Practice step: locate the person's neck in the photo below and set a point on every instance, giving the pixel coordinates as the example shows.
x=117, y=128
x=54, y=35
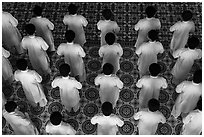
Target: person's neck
x=70, y=42
x=195, y=83
x=153, y=76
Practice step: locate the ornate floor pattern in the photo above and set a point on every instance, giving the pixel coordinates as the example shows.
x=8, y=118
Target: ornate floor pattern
x=126, y=15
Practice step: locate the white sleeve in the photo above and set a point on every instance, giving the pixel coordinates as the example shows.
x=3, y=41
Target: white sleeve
x=5, y=53
x=55, y=83
x=164, y=83
x=119, y=122
x=174, y=27
x=199, y=52
x=94, y=120
x=60, y=50
x=160, y=48
x=116, y=28
x=97, y=80
x=137, y=115
x=43, y=44
x=65, y=20
x=37, y=76
x=84, y=21
x=139, y=50
x=120, y=50
x=180, y=87
x=119, y=83
x=140, y=83
x=163, y=119
x=13, y=20
x=137, y=26
x=81, y=52
x=50, y=25
x=77, y=84
x=16, y=75
x=101, y=51
x=99, y=25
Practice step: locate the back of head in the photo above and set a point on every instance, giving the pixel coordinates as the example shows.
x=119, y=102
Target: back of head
x=187, y=15
x=193, y=42
x=64, y=70
x=153, y=35
x=37, y=10
x=30, y=29
x=153, y=105
x=70, y=35
x=199, y=105
x=107, y=108
x=10, y=106
x=56, y=118
x=110, y=38
x=21, y=64
x=72, y=9
x=150, y=11
x=107, y=14
x=154, y=69
x=197, y=77
x=108, y=69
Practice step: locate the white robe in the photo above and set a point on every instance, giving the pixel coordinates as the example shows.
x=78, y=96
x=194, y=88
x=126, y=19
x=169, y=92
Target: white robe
x=11, y=36
x=44, y=29
x=38, y=57
x=68, y=91
x=144, y=26
x=181, y=33
x=106, y=26
x=147, y=53
x=192, y=123
x=150, y=88
x=73, y=54
x=148, y=121
x=110, y=86
x=111, y=54
x=33, y=90
x=187, y=99
x=62, y=129
x=107, y=125
x=76, y=23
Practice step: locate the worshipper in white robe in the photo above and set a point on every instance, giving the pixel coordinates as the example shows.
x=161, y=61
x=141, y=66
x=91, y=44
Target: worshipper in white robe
x=43, y=28
x=181, y=31
x=112, y=52
x=68, y=86
x=192, y=123
x=57, y=127
x=11, y=36
x=107, y=25
x=76, y=23
x=151, y=85
x=145, y=25
x=20, y=123
x=36, y=47
x=73, y=54
x=190, y=92
x=149, y=118
x=147, y=53
x=107, y=123
x=110, y=85
x=7, y=70
x=30, y=81
x=185, y=61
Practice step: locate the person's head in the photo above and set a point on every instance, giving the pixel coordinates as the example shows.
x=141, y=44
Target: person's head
x=70, y=35
x=107, y=108
x=37, y=10
x=153, y=35
x=72, y=9
x=30, y=29
x=153, y=105
x=187, y=15
x=154, y=69
x=64, y=70
x=193, y=42
x=199, y=105
x=56, y=118
x=21, y=64
x=108, y=69
x=107, y=14
x=110, y=38
x=150, y=11
x=197, y=77
x=10, y=106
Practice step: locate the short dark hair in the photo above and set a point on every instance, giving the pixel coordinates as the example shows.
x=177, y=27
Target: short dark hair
x=72, y=8
x=21, y=64
x=150, y=11
x=30, y=29
x=108, y=68
x=153, y=35
x=56, y=118
x=197, y=77
x=70, y=35
x=110, y=38
x=107, y=14
x=64, y=70
x=199, y=105
x=10, y=106
x=154, y=69
x=37, y=10
x=107, y=108
x=187, y=15
x=193, y=42
x=153, y=105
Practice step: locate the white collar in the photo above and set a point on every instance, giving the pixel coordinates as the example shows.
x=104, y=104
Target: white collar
x=70, y=42
x=39, y=17
x=107, y=20
x=57, y=125
x=153, y=76
x=195, y=83
x=31, y=36
x=149, y=18
x=152, y=41
x=74, y=15
x=24, y=70
x=185, y=21
x=66, y=77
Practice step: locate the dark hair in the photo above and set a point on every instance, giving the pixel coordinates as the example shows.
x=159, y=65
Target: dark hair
x=108, y=68
x=107, y=108
x=199, y=104
x=30, y=29
x=70, y=35
x=107, y=14
x=153, y=35
x=64, y=70
x=154, y=69
x=187, y=15
x=72, y=9
x=110, y=38
x=153, y=105
x=10, y=106
x=193, y=42
x=197, y=77
x=56, y=118
x=150, y=11
x=37, y=10
x=21, y=64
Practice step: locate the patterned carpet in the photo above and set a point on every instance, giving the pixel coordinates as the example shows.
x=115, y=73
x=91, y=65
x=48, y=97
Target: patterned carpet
x=126, y=15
